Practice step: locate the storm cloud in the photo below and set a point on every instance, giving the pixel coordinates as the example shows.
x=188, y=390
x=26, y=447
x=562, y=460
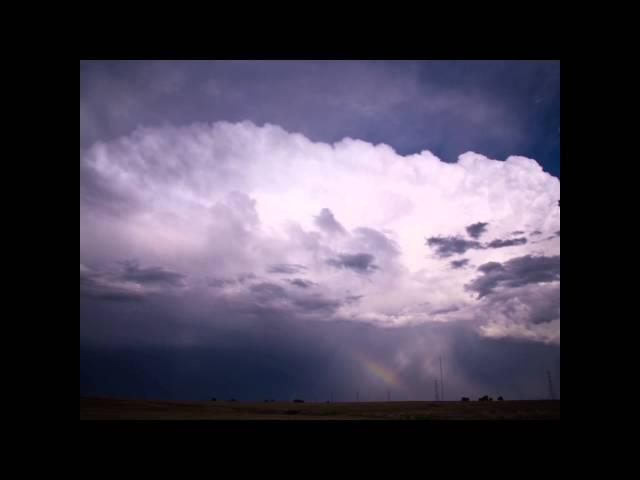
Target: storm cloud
x=253, y=230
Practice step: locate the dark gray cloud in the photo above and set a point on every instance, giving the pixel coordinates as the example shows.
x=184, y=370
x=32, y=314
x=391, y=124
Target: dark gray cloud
x=150, y=275
x=518, y=232
x=477, y=229
x=287, y=268
x=317, y=304
x=445, y=310
x=128, y=282
x=220, y=282
x=328, y=223
x=353, y=298
x=300, y=282
x=98, y=286
x=536, y=232
x=456, y=245
x=455, y=264
x=358, y=262
x=558, y=233
x=244, y=277
x=515, y=273
x=506, y=243
x=448, y=246
x=268, y=291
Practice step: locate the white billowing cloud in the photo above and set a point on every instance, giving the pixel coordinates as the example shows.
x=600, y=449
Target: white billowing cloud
x=224, y=200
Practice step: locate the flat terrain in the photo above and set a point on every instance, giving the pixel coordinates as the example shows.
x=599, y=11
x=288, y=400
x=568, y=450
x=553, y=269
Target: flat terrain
x=123, y=409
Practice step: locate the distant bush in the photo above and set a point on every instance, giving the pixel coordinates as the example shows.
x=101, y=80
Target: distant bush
x=464, y=399
x=297, y=400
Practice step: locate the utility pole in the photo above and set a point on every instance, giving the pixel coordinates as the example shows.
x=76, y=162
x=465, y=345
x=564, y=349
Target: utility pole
x=552, y=395
x=437, y=392
x=357, y=396
x=441, y=380
x=388, y=396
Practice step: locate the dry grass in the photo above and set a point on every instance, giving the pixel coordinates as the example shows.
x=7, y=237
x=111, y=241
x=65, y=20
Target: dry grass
x=123, y=409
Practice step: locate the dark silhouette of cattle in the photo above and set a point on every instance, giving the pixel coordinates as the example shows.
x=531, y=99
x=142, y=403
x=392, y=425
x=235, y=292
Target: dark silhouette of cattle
x=297, y=400
x=464, y=399
x=486, y=398
x=500, y=399
x=213, y=399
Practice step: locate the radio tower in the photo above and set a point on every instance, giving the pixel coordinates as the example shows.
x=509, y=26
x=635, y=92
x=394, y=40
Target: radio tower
x=552, y=395
x=441, y=381
x=437, y=393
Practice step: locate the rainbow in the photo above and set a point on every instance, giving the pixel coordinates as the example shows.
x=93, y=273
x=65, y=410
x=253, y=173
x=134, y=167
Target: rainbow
x=381, y=372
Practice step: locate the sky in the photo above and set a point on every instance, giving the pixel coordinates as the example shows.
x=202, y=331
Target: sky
x=319, y=229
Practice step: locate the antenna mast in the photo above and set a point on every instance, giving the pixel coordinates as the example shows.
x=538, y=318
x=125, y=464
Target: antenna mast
x=441, y=381
x=552, y=395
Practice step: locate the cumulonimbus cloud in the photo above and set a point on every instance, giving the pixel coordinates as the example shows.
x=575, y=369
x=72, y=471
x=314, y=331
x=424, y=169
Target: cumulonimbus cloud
x=216, y=202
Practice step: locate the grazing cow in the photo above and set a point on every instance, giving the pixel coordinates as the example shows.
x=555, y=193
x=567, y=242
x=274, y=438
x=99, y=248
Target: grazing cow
x=500, y=399
x=465, y=399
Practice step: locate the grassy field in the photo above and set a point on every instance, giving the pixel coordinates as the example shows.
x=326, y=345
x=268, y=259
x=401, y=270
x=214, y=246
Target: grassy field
x=123, y=409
